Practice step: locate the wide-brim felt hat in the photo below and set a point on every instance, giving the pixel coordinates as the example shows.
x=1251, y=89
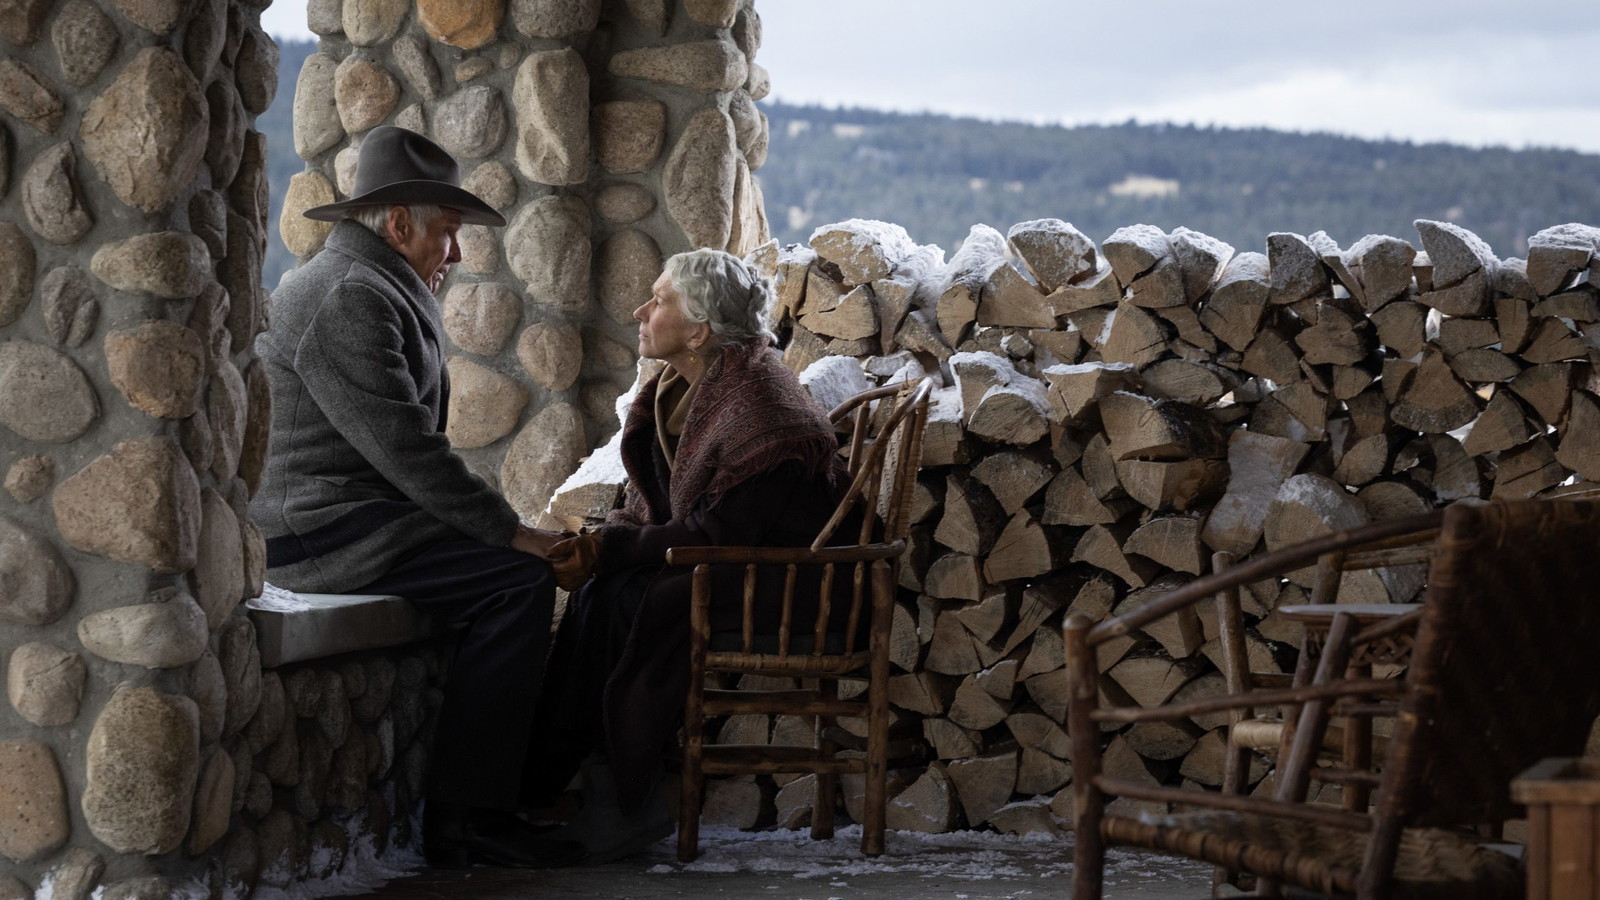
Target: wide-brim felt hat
x=398, y=167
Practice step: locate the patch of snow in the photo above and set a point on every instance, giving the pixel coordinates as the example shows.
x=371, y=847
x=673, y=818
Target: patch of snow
x=983, y=251
x=891, y=240
x=276, y=599
x=832, y=380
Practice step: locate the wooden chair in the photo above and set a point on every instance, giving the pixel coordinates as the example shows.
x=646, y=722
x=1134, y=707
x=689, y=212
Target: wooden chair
x=1503, y=673
x=884, y=449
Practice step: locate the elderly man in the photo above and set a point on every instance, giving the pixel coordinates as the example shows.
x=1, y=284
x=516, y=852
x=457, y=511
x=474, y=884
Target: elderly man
x=362, y=493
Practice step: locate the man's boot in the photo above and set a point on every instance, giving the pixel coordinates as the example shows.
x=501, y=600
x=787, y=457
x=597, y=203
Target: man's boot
x=603, y=828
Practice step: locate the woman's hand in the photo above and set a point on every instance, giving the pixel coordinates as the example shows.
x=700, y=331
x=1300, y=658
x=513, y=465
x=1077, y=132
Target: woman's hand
x=574, y=560
x=536, y=541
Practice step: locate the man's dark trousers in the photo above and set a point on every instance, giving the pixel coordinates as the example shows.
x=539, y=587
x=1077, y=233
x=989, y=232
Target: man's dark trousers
x=503, y=601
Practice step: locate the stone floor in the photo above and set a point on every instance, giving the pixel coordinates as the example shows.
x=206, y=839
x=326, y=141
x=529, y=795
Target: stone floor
x=787, y=865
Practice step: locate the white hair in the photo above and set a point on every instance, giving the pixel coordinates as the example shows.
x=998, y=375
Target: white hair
x=376, y=216
x=723, y=291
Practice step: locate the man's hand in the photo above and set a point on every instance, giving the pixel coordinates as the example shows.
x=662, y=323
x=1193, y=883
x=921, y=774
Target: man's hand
x=574, y=559
x=536, y=541
x=436, y=280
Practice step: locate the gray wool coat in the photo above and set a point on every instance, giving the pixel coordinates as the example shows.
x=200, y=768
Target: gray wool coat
x=359, y=473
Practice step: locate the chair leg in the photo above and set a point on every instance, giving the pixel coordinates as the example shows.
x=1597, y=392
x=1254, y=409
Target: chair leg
x=827, y=782
x=1089, y=849
x=873, y=816
x=691, y=789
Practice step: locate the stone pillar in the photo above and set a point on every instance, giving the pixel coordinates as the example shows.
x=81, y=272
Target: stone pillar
x=132, y=417
x=610, y=135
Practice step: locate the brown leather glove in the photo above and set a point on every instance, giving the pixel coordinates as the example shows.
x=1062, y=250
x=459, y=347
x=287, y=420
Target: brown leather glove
x=574, y=559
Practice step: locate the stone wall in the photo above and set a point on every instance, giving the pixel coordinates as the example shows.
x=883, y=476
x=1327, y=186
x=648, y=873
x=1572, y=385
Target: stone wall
x=610, y=135
x=132, y=214
x=1109, y=415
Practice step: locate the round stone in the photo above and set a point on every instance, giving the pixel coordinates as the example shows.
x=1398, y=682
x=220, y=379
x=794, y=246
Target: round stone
x=480, y=249
x=316, y=110
x=33, y=801
x=209, y=692
x=551, y=96
x=159, y=16
x=240, y=276
x=303, y=236
x=413, y=118
x=45, y=684
x=749, y=212
x=416, y=66
x=20, y=20
x=264, y=727
x=255, y=558
x=716, y=13
x=140, y=503
x=5, y=160
x=548, y=247
x=629, y=134
x=630, y=263
x=225, y=145
x=213, y=803
x=70, y=307
x=492, y=183
x=166, y=632
x=205, y=37
x=281, y=853
x=624, y=204
x=208, y=319
x=208, y=219
x=50, y=197
x=471, y=123
x=608, y=354
x=146, y=133
x=76, y=875
x=218, y=575
x=545, y=452
x=324, y=17
x=30, y=477
x=749, y=128
x=479, y=318
x=17, y=269
x=709, y=66
x=172, y=265
x=227, y=407
x=344, y=170
x=44, y=396
x=468, y=24
x=543, y=19
x=600, y=404
x=85, y=40
x=26, y=94
x=36, y=585
x=370, y=22
x=747, y=31
x=141, y=766
x=157, y=365
x=484, y=404
x=475, y=67
x=144, y=887
x=194, y=435
x=255, y=70
x=241, y=670
x=700, y=178
x=365, y=94
x=258, y=419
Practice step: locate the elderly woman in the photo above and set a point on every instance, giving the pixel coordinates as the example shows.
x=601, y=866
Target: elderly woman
x=722, y=447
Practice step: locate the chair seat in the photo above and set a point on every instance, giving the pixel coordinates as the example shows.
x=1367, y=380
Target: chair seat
x=799, y=645
x=1433, y=864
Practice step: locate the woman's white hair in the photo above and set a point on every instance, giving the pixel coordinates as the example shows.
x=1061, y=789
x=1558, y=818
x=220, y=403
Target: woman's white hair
x=376, y=216
x=722, y=291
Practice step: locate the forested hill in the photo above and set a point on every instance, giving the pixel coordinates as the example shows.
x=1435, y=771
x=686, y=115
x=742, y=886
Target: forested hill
x=938, y=176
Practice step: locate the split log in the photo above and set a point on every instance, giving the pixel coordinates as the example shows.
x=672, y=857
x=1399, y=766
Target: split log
x=1075, y=391
x=1204, y=763
x=1037, y=731
x=1047, y=653
x=1179, y=633
x=1202, y=258
x=794, y=802
x=914, y=565
x=1501, y=426
x=796, y=731
x=1368, y=413
x=1432, y=399
x=999, y=680
x=1071, y=501
x=1258, y=465
x=951, y=651
x=927, y=497
x=956, y=311
x=1172, y=542
x=919, y=331
x=984, y=784
x=927, y=806
x=1297, y=271
x=1455, y=474
x=1296, y=410
x=972, y=518
x=1350, y=381
x=1307, y=506
x=1514, y=321
x=954, y=576
x=1272, y=355
x=1121, y=761
x=926, y=693
x=1152, y=680
x=1134, y=250
x=1009, y=299
x=1040, y=601
x=1524, y=471
x=987, y=618
x=1051, y=348
x=737, y=802
x=1101, y=546
x=1234, y=310
x=853, y=317
x=1013, y=478
x=893, y=298
x=1259, y=655
x=1024, y=549
x=1556, y=254
x=1141, y=427
x=1580, y=437
x=1484, y=366
x=905, y=648
x=1200, y=384
x=1100, y=288
x=1133, y=336
x=1383, y=264
x=1366, y=459
x=949, y=740
x=1211, y=684
x=860, y=250
x=1472, y=296
x=853, y=789
x=1016, y=414
x=1053, y=252
x=1579, y=306
x=745, y=730
x=1338, y=265
x=1456, y=334
x=1094, y=324
x=944, y=440
x=804, y=349
x=1173, y=486
x=1454, y=251
x=1162, y=741
x=1552, y=341
x=1048, y=691
x=1341, y=336
x=822, y=292
x=976, y=708
x=1160, y=287
x=1039, y=773
x=1402, y=327
x=1548, y=389
x=790, y=287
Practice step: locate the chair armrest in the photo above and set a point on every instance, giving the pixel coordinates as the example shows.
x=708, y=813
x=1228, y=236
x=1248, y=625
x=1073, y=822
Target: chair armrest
x=1366, y=687
x=694, y=556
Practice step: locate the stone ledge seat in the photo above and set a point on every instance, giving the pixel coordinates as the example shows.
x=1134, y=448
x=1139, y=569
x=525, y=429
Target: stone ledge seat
x=292, y=627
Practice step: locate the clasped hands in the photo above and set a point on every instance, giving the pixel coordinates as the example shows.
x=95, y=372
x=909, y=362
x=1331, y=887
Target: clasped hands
x=571, y=556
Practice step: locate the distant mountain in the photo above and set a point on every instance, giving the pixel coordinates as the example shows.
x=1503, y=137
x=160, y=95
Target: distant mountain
x=938, y=176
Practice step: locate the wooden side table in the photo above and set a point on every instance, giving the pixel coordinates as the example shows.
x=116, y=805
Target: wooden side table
x=1563, y=852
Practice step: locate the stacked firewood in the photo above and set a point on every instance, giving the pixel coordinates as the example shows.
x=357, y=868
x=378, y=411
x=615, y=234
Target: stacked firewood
x=1112, y=415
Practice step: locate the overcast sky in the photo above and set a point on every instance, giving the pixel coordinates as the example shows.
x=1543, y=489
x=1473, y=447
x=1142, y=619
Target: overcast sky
x=1468, y=71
